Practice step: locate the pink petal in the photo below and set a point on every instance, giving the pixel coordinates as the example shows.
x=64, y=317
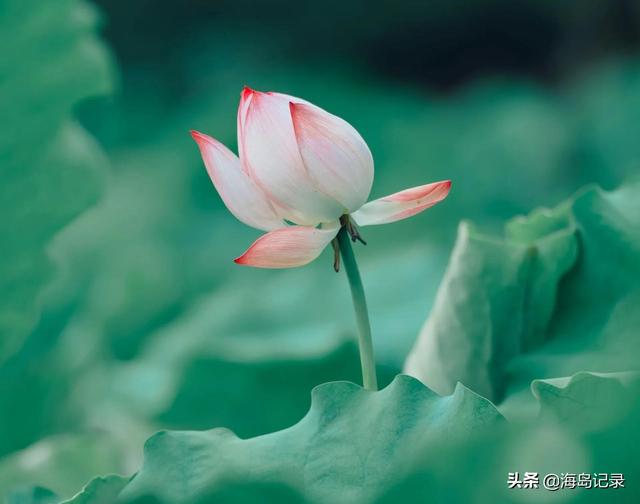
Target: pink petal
x=270, y=155
x=402, y=204
x=288, y=247
x=335, y=155
x=240, y=194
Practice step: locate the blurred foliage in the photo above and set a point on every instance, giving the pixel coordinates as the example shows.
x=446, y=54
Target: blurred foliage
x=51, y=59
x=147, y=324
x=60, y=462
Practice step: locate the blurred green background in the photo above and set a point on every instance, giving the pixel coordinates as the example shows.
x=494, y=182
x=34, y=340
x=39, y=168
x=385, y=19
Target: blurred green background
x=122, y=312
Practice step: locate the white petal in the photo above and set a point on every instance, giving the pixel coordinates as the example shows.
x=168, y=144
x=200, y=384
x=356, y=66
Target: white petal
x=240, y=194
x=288, y=247
x=402, y=204
x=335, y=155
x=271, y=157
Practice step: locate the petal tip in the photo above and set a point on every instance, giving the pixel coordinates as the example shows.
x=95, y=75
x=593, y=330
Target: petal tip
x=199, y=137
x=246, y=92
x=241, y=260
x=205, y=141
x=296, y=111
x=298, y=108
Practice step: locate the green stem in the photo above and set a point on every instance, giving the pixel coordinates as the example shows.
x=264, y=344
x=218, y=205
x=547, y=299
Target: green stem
x=365, y=343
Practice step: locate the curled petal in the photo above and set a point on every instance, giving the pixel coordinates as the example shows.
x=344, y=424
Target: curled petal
x=288, y=247
x=270, y=155
x=336, y=157
x=240, y=194
x=402, y=204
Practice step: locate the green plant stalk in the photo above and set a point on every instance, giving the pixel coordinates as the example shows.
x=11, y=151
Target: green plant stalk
x=367, y=360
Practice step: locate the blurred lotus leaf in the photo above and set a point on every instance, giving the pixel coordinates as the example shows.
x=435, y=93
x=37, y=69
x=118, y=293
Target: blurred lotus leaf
x=50, y=166
x=592, y=399
x=561, y=283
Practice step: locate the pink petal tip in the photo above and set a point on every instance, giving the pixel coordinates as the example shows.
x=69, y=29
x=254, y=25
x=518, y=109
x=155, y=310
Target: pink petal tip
x=199, y=137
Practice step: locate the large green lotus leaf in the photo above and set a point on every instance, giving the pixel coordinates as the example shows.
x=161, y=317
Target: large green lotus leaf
x=50, y=60
x=348, y=448
x=550, y=299
x=61, y=463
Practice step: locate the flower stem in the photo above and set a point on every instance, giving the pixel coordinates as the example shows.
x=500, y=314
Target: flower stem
x=367, y=360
